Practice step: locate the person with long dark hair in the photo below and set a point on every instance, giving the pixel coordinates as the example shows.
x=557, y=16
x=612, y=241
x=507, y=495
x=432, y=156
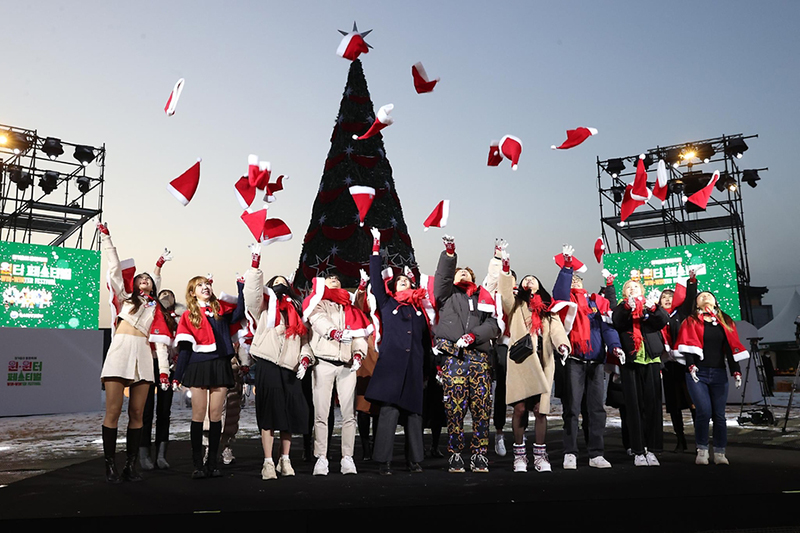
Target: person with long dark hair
x=129, y=361
x=708, y=339
x=280, y=346
x=396, y=382
x=529, y=381
x=639, y=321
x=204, y=365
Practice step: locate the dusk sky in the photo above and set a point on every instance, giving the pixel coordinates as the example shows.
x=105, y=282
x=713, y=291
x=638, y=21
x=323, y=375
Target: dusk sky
x=263, y=77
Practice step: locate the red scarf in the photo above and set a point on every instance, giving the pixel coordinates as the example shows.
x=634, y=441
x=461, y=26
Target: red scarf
x=467, y=286
x=581, y=335
x=295, y=323
x=412, y=297
x=637, y=313
x=690, y=339
x=536, y=307
x=354, y=318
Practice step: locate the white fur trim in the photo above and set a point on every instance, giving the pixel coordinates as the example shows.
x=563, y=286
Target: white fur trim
x=199, y=348
x=252, y=160
x=279, y=238
x=361, y=189
x=162, y=339
x=383, y=114
x=272, y=307
x=694, y=350
x=445, y=213
x=593, y=131
x=174, y=96
x=741, y=356
x=178, y=195
x=572, y=311
x=316, y=297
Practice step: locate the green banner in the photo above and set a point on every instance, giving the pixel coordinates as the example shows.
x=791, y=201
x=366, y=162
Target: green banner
x=661, y=268
x=49, y=287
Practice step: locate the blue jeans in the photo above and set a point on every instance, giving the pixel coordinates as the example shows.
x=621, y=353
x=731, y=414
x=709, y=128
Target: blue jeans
x=709, y=396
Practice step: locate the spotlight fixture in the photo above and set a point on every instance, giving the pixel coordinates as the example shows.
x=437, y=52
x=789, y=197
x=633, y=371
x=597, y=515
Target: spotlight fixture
x=705, y=152
x=676, y=186
x=18, y=142
x=614, y=167
x=728, y=182
x=22, y=179
x=84, y=184
x=751, y=177
x=688, y=153
x=49, y=181
x=84, y=154
x=673, y=157
x=52, y=147
x=4, y=138
x=736, y=147
x=618, y=191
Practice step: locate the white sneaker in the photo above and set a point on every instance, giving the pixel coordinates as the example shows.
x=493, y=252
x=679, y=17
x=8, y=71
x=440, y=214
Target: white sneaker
x=702, y=457
x=640, y=460
x=321, y=466
x=348, y=466
x=720, y=459
x=571, y=461
x=268, y=470
x=599, y=462
x=520, y=463
x=500, y=445
x=285, y=467
x=541, y=463
x=227, y=456
x=651, y=459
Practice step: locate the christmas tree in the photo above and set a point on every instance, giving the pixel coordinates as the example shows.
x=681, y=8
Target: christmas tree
x=334, y=240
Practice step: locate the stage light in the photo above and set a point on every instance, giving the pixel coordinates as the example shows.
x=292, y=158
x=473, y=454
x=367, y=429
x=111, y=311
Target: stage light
x=614, y=167
x=84, y=184
x=49, y=181
x=751, y=177
x=618, y=191
x=22, y=179
x=728, y=182
x=3, y=138
x=687, y=154
x=676, y=186
x=736, y=147
x=705, y=152
x=84, y=154
x=18, y=142
x=52, y=147
x=673, y=157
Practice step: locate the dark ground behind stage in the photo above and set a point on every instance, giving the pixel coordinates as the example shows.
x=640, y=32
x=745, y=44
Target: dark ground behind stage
x=760, y=490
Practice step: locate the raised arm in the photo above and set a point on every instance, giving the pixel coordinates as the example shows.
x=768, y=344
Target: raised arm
x=495, y=264
x=376, y=281
x=445, y=270
x=116, y=282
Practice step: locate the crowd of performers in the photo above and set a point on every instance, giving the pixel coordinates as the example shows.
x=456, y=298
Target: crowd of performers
x=417, y=350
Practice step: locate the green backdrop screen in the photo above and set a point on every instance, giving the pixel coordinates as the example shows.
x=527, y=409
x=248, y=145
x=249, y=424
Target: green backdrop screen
x=49, y=286
x=661, y=268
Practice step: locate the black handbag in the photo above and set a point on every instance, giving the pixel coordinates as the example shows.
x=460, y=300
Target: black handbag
x=521, y=349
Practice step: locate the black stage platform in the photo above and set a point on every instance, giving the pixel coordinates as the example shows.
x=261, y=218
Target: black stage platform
x=759, y=490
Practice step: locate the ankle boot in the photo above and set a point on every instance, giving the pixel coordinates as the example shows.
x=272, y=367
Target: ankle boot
x=130, y=472
x=109, y=449
x=144, y=458
x=161, y=459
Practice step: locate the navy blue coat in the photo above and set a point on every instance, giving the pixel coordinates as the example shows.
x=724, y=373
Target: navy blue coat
x=405, y=345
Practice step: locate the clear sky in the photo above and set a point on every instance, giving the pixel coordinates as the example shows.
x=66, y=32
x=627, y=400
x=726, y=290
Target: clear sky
x=262, y=77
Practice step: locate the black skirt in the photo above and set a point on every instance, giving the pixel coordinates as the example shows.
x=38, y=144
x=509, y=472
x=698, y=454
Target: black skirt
x=280, y=403
x=209, y=374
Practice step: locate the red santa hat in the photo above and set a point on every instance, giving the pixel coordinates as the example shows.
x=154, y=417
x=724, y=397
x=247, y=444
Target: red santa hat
x=353, y=44
x=577, y=265
x=184, y=186
x=495, y=157
x=363, y=197
x=439, y=215
x=274, y=187
x=575, y=137
x=258, y=172
x=679, y=294
x=701, y=197
x=245, y=193
x=255, y=222
x=511, y=148
x=629, y=204
x=159, y=331
x=662, y=181
x=381, y=121
x=599, y=249
x=275, y=230
x=172, y=102
x=640, y=192
x=422, y=84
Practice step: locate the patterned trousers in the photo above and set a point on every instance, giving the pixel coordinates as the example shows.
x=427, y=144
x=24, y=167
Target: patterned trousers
x=467, y=383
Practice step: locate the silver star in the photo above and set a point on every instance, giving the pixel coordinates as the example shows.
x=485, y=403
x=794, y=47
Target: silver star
x=349, y=150
x=348, y=180
x=322, y=219
x=340, y=118
x=393, y=222
x=334, y=250
x=358, y=217
x=355, y=30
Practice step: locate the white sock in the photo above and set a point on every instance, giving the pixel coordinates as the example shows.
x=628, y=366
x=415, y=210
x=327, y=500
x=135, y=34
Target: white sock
x=268, y=460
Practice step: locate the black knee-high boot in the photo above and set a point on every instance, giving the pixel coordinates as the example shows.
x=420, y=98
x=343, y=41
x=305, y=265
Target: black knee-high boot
x=196, y=436
x=109, y=450
x=133, y=438
x=214, y=435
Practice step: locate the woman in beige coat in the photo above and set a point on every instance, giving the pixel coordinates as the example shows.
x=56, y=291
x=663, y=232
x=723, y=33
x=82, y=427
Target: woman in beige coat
x=529, y=383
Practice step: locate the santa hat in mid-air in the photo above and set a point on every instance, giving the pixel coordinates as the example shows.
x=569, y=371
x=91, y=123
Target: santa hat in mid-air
x=599, y=249
x=577, y=265
x=172, y=102
x=639, y=191
x=258, y=172
x=255, y=222
x=438, y=217
x=363, y=197
x=511, y=148
x=629, y=204
x=273, y=187
x=495, y=157
x=275, y=230
x=381, y=121
x=701, y=197
x=661, y=189
x=184, y=186
x=575, y=137
x=245, y=193
x=422, y=84
x=353, y=44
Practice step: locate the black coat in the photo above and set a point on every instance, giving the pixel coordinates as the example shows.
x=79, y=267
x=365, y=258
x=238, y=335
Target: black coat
x=651, y=325
x=405, y=345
